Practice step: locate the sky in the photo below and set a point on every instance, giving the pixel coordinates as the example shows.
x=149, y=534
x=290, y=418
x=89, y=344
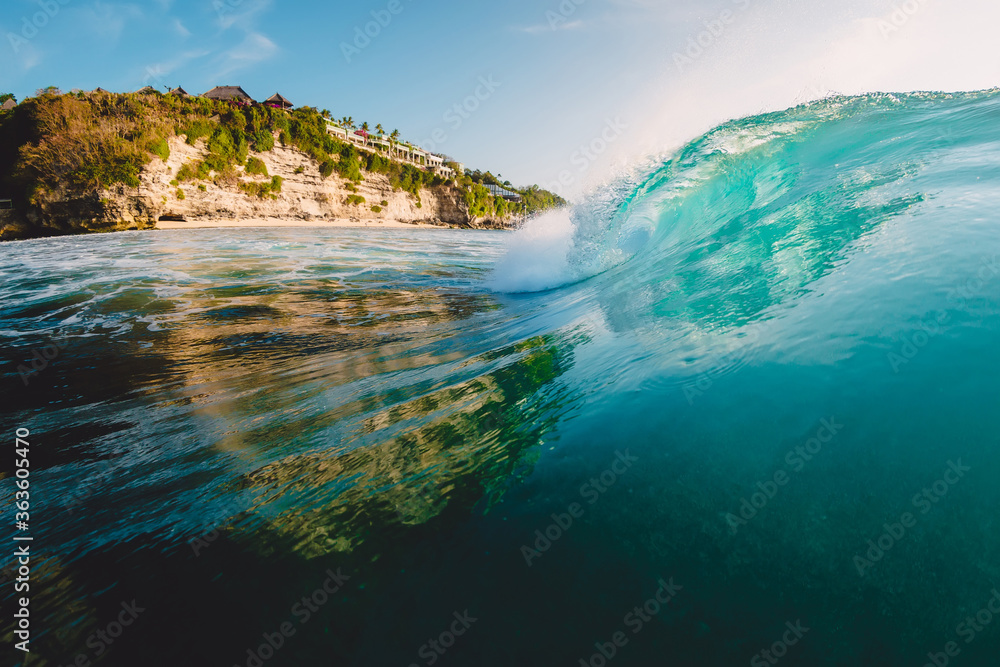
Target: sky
x=563, y=93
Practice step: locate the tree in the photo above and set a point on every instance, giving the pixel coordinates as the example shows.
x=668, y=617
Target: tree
x=7, y=96
x=50, y=90
x=380, y=129
x=364, y=126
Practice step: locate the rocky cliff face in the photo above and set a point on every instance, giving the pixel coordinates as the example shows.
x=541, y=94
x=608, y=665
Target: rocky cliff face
x=304, y=195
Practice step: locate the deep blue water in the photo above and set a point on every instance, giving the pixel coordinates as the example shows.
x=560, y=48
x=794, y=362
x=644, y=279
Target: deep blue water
x=757, y=379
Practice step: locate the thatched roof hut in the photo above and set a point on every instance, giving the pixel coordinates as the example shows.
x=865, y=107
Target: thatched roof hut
x=279, y=100
x=147, y=90
x=180, y=92
x=8, y=105
x=229, y=94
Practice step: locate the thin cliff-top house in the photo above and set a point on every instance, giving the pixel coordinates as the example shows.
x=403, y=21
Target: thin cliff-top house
x=8, y=105
x=278, y=101
x=499, y=191
x=233, y=94
x=179, y=92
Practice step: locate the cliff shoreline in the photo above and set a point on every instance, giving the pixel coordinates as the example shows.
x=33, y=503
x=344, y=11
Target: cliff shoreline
x=101, y=162
x=305, y=199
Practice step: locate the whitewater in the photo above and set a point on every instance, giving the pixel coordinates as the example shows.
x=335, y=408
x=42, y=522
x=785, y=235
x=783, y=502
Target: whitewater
x=737, y=406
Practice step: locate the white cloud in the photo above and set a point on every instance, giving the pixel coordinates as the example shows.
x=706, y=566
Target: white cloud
x=181, y=29
x=552, y=27
x=156, y=73
x=239, y=13
x=105, y=20
x=255, y=48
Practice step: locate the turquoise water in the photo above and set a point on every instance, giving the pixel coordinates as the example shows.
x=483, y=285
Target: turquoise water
x=757, y=380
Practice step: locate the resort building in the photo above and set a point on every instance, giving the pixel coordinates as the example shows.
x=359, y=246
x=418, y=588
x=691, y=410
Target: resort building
x=233, y=94
x=336, y=130
x=381, y=142
x=179, y=92
x=8, y=105
x=503, y=193
x=278, y=101
x=147, y=90
x=359, y=137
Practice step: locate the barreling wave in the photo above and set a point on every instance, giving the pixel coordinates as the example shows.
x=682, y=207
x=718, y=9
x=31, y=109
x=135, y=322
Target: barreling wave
x=759, y=207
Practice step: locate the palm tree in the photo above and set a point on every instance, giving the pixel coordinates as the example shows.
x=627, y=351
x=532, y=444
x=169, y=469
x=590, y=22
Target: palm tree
x=393, y=139
x=364, y=126
x=379, y=129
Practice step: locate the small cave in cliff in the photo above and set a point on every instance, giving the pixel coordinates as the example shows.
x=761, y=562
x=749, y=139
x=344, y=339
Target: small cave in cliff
x=172, y=217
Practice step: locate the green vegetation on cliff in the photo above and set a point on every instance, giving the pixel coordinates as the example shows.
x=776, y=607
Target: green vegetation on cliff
x=59, y=147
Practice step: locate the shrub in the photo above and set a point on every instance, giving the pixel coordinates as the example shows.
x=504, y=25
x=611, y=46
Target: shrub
x=160, y=149
x=326, y=168
x=185, y=173
x=262, y=140
x=354, y=200
x=201, y=186
x=349, y=165
x=180, y=194
x=198, y=129
x=302, y=170
x=478, y=200
x=256, y=167
x=229, y=144
x=174, y=183
x=263, y=190
x=376, y=209
x=384, y=203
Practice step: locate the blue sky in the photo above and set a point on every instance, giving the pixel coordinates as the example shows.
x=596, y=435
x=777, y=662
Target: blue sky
x=560, y=88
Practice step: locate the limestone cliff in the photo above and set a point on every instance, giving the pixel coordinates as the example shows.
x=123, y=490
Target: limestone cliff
x=304, y=195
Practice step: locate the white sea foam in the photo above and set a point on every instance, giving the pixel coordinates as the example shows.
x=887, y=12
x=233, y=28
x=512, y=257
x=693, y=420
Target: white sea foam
x=537, y=256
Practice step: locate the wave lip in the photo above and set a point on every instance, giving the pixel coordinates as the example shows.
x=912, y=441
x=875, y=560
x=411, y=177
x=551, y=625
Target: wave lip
x=757, y=209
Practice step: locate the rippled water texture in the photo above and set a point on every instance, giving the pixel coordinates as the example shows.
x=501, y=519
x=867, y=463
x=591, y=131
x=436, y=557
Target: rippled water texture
x=760, y=374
